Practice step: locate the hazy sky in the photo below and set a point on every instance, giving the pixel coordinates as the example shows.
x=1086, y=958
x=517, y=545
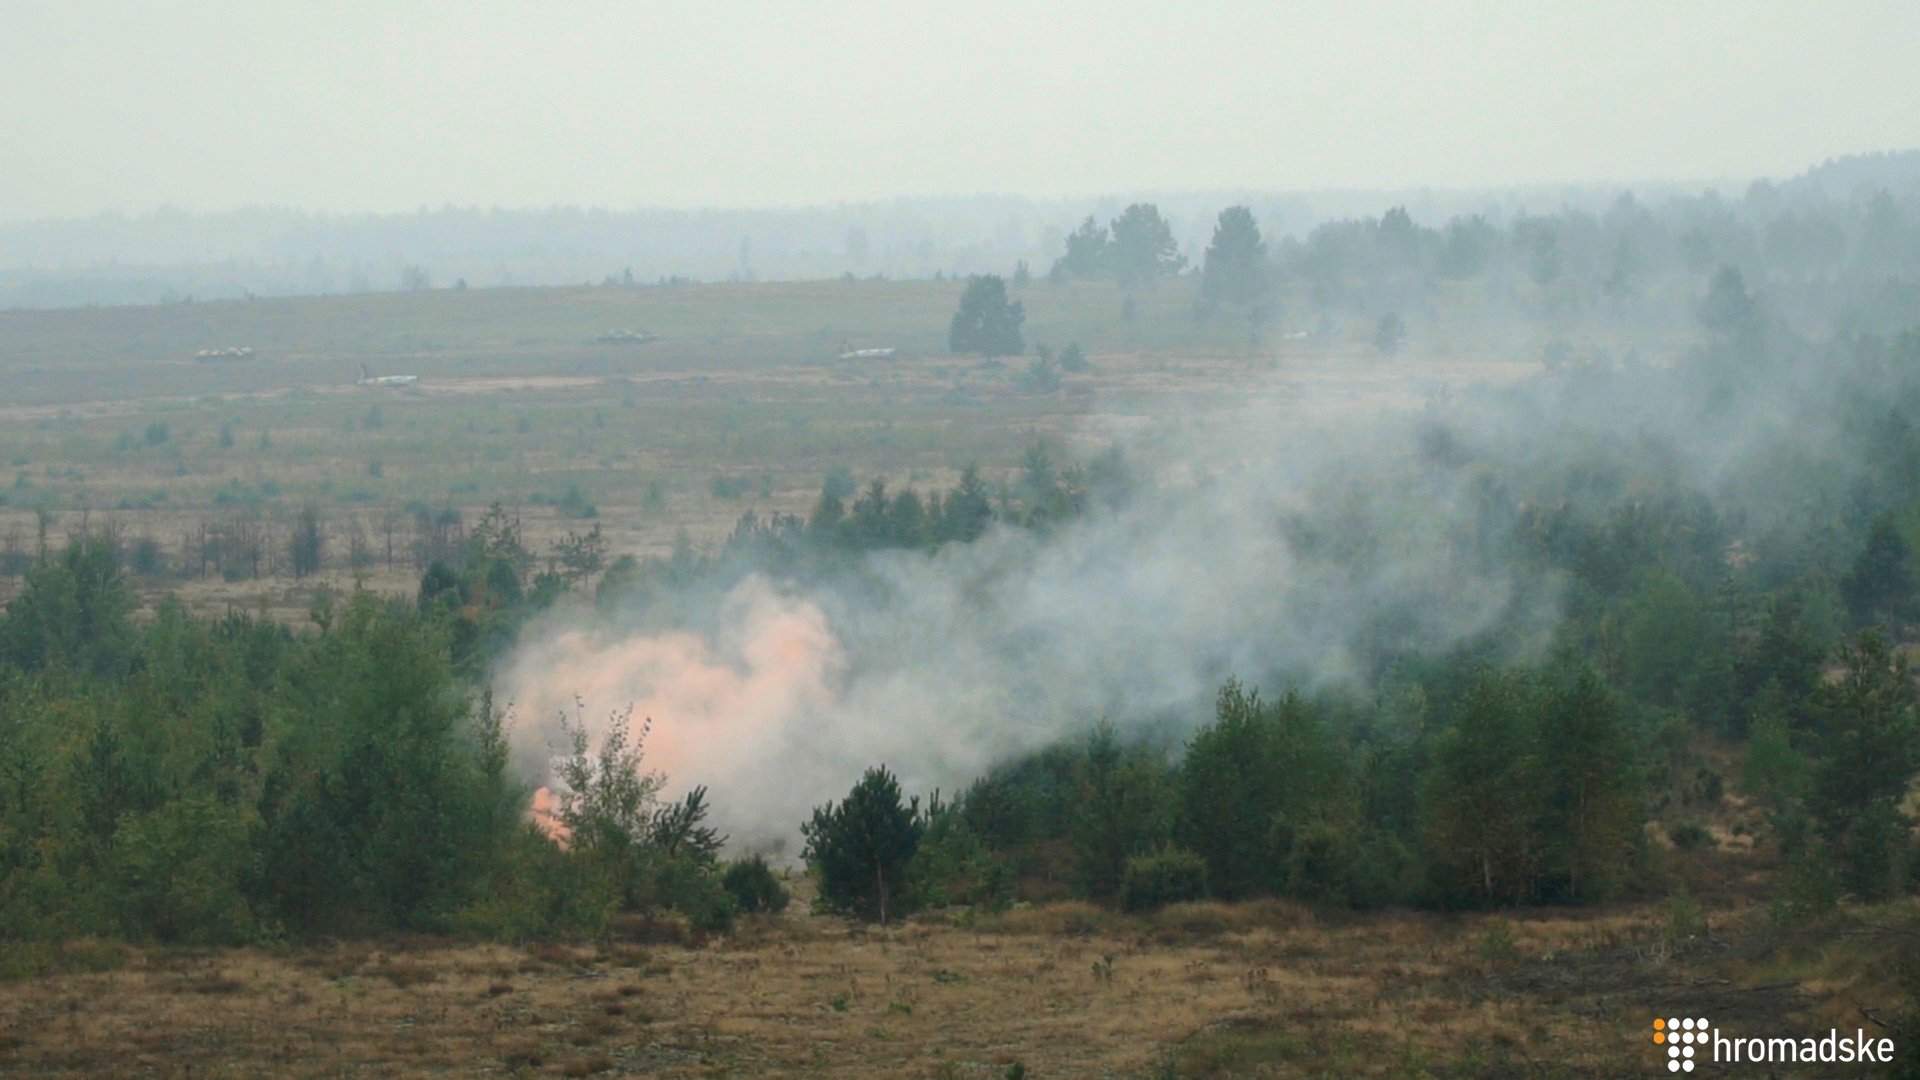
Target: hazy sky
x=391, y=105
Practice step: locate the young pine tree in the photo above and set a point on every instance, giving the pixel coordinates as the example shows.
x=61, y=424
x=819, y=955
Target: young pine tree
x=987, y=322
x=1593, y=808
x=1482, y=797
x=861, y=847
x=1228, y=796
x=1143, y=249
x=1866, y=752
x=1251, y=781
x=1119, y=809
x=1880, y=585
x=1235, y=270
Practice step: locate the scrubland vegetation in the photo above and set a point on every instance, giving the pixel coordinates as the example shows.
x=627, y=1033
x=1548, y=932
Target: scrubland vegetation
x=1668, y=761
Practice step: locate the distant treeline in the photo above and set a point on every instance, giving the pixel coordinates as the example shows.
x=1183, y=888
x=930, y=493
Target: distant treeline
x=1845, y=219
x=1820, y=263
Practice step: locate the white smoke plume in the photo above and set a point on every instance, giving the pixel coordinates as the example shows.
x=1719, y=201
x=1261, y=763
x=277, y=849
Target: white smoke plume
x=978, y=652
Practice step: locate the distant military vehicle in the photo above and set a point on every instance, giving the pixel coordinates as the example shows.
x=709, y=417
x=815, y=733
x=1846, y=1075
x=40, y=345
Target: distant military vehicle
x=368, y=378
x=628, y=337
x=849, y=353
x=231, y=352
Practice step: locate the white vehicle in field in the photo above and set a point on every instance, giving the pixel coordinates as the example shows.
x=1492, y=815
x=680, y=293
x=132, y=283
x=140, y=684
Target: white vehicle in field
x=847, y=353
x=368, y=378
x=628, y=337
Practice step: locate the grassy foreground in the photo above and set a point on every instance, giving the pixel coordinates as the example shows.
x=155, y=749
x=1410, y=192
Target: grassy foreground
x=1264, y=989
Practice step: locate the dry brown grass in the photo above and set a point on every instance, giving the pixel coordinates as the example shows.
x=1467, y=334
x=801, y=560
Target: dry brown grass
x=1063, y=989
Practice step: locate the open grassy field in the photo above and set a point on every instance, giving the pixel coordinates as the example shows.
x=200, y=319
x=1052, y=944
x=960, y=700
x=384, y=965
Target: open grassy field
x=1065, y=990
x=109, y=417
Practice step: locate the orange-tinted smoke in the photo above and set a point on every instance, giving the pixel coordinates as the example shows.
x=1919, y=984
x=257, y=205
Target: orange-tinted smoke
x=544, y=811
x=711, y=702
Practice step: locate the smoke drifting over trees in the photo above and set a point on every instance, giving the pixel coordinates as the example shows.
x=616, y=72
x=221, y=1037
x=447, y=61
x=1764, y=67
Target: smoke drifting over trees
x=943, y=663
x=1291, y=540
x=1432, y=632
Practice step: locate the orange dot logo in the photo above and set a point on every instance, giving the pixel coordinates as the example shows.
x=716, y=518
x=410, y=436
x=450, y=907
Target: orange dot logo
x=1680, y=1037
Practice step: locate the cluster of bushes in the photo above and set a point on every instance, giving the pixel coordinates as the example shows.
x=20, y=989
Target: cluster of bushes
x=192, y=780
x=613, y=848
x=573, y=502
x=878, y=855
x=848, y=522
x=1526, y=785
x=1529, y=790
x=485, y=590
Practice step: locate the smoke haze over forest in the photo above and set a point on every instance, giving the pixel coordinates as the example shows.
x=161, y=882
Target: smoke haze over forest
x=947, y=663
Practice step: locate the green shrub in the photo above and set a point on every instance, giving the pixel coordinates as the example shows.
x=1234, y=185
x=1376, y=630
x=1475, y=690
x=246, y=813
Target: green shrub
x=690, y=885
x=753, y=886
x=1320, y=866
x=1773, y=771
x=1497, y=943
x=575, y=503
x=952, y=867
x=1689, y=835
x=1386, y=872
x=146, y=558
x=571, y=503
x=729, y=487
x=180, y=871
x=1685, y=920
x=1168, y=876
x=1707, y=788
x=537, y=891
x=1808, y=887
